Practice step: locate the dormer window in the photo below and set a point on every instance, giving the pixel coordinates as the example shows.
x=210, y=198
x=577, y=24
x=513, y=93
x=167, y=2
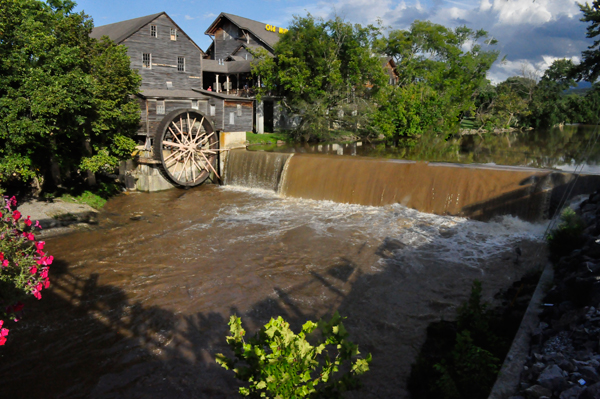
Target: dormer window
x=153, y=31
x=173, y=34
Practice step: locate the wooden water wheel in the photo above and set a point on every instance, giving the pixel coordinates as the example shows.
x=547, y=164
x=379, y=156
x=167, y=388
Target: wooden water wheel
x=186, y=144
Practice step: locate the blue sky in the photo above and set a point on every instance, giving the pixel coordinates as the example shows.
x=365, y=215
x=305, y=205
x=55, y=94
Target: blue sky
x=531, y=33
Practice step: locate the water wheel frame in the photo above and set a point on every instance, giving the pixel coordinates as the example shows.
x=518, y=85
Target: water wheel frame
x=186, y=144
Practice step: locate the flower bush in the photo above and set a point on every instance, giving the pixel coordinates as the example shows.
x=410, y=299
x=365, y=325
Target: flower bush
x=24, y=266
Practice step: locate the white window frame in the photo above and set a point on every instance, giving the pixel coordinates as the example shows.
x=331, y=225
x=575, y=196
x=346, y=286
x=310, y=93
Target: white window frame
x=180, y=64
x=160, y=107
x=195, y=104
x=149, y=64
x=154, y=31
x=232, y=118
x=239, y=110
x=174, y=34
x=213, y=110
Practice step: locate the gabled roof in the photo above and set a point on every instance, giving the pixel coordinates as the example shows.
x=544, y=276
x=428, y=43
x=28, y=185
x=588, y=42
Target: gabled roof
x=163, y=93
x=255, y=27
x=120, y=31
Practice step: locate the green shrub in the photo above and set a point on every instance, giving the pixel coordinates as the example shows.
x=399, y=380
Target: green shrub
x=280, y=364
x=567, y=236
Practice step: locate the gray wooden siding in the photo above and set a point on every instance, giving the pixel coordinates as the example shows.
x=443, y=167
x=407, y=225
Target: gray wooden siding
x=241, y=123
x=164, y=57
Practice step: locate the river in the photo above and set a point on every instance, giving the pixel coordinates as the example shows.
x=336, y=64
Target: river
x=139, y=306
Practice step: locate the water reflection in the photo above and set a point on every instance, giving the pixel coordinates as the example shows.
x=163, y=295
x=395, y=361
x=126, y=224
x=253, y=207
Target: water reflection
x=558, y=148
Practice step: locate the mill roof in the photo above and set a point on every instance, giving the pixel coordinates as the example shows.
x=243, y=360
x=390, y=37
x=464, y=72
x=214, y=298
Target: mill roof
x=120, y=31
x=255, y=27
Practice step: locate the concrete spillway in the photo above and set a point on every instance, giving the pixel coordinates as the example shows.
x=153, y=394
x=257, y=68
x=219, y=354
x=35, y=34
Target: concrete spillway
x=475, y=191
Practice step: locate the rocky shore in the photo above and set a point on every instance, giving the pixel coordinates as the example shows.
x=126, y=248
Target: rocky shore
x=58, y=217
x=564, y=356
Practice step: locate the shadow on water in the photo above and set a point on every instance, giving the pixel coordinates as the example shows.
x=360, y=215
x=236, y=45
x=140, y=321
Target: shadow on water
x=89, y=339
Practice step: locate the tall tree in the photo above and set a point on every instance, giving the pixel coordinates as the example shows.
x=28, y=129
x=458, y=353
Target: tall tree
x=444, y=66
x=589, y=69
x=326, y=72
x=64, y=97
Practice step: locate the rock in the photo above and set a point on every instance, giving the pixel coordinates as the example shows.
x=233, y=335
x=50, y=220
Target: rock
x=589, y=374
x=567, y=365
x=591, y=392
x=572, y=393
x=589, y=208
x=553, y=378
x=537, y=391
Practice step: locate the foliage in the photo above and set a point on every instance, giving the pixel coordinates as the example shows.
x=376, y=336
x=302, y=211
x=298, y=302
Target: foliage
x=281, y=364
x=589, y=69
x=65, y=98
x=24, y=266
x=326, y=72
x=463, y=358
x=567, y=235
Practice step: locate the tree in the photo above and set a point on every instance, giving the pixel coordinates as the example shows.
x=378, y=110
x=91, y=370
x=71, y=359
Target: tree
x=326, y=72
x=65, y=98
x=550, y=105
x=432, y=61
x=589, y=69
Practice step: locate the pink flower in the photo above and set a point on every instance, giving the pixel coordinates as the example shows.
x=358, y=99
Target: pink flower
x=37, y=224
x=5, y=263
x=45, y=260
x=28, y=222
x=16, y=215
x=4, y=332
x=46, y=283
x=29, y=236
x=39, y=287
x=36, y=294
x=44, y=273
x=13, y=201
x=33, y=270
x=39, y=245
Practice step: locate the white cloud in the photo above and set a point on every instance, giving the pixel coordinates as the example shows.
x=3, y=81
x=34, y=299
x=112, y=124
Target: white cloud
x=527, y=30
x=188, y=18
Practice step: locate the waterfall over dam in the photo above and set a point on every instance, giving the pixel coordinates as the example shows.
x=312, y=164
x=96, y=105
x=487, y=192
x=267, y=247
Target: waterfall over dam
x=474, y=191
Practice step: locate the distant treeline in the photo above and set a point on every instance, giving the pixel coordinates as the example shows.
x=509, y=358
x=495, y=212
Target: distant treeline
x=331, y=74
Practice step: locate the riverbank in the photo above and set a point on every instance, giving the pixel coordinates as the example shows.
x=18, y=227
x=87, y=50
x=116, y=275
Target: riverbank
x=59, y=217
x=564, y=354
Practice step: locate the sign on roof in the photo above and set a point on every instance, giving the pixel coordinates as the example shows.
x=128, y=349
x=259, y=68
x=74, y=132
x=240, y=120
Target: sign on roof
x=272, y=28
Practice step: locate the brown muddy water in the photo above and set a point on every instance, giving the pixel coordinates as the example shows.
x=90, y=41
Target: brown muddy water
x=139, y=308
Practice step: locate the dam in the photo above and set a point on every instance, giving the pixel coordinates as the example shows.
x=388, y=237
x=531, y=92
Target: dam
x=139, y=305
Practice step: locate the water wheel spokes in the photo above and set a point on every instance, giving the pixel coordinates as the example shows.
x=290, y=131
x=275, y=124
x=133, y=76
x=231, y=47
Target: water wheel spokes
x=187, y=148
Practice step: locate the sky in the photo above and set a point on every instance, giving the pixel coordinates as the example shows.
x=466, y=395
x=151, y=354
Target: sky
x=531, y=34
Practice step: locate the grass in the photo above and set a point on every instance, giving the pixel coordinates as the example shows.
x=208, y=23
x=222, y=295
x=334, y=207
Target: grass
x=87, y=197
x=254, y=138
x=95, y=197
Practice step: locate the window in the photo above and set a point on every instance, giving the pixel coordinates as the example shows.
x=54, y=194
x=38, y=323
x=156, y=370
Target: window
x=194, y=104
x=153, y=31
x=173, y=34
x=147, y=60
x=181, y=64
x=232, y=118
x=160, y=107
x=212, y=109
x=239, y=110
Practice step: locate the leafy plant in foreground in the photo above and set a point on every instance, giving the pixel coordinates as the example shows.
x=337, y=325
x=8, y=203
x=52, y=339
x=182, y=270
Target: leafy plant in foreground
x=278, y=363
